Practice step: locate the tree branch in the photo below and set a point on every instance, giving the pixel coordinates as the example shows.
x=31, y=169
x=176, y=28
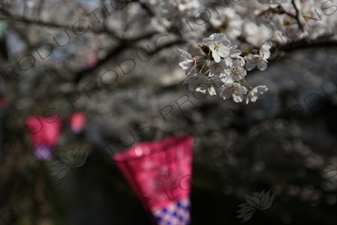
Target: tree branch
x=297, y=17
x=304, y=44
x=11, y=17
x=115, y=52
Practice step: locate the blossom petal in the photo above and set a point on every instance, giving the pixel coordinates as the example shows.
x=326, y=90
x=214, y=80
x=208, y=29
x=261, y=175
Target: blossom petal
x=229, y=61
x=237, y=98
x=252, y=58
x=261, y=88
x=207, y=41
x=224, y=51
x=211, y=90
x=219, y=37
x=228, y=79
x=235, y=53
x=201, y=89
x=226, y=42
x=226, y=93
x=265, y=54
x=250, y=66
x=185, y=54
x=216, y=56
x=244, y=89
x=262, y=65
x=217, y=81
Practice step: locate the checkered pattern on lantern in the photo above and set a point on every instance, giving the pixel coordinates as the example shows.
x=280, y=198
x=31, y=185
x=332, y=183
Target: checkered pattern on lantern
x=176, y=213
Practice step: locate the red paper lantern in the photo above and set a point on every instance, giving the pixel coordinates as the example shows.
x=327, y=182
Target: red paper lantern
x=77, y=121
x=160, y=174
x=4, y=102
x=91, y=58
x=44, y=134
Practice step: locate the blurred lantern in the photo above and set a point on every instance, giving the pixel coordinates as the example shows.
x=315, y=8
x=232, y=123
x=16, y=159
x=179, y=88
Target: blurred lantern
x=44, y=135
x=160, y=174
x=4, y=102
x=91, y=58
x=77, y=122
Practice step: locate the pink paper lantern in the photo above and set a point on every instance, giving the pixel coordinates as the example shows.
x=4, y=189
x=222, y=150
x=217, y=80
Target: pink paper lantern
x=77, y=121
x=44, y=133
x=91, y=58
x=4, y=102
x=160, y=174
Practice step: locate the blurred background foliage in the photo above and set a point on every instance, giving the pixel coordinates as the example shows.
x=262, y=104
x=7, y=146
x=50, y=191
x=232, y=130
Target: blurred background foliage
x=285, y=142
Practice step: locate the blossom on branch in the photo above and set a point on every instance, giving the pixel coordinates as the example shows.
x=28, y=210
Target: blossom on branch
x=218, y=45
x=234, y=90
x=259, y=60
x=189, y=64
x=237, y=71
x=223, y=72
x=253, y=95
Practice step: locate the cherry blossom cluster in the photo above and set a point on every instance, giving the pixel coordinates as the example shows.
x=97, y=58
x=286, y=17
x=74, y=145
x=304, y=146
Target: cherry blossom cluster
x=222, y=68
x=296, y=20
x=251, y=22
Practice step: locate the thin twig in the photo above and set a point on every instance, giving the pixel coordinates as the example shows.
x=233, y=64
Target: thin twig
x=297, y=17
x=146, y=8
x=8, y=16
x=116, y=51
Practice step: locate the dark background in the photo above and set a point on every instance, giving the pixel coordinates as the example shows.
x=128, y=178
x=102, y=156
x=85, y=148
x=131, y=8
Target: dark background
x=285, y=142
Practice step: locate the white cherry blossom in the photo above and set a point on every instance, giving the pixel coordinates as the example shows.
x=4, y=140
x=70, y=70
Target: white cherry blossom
x=234, y=90
x=194, y=81
x=216, y=68
x=189, y=64
x=226, y=79
x=259, y=60
x=265, y=49
x=219, y=45
x=237, y=71
x=233, y=54
x=211, y=86
x=254, y=94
